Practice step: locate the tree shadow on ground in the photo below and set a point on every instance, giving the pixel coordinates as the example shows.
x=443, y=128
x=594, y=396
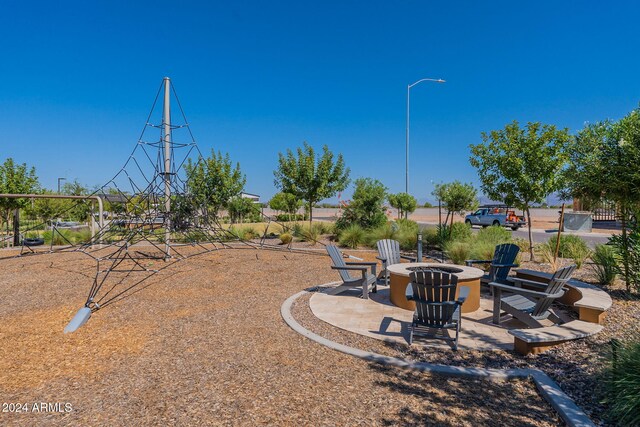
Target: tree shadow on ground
x=450, y=401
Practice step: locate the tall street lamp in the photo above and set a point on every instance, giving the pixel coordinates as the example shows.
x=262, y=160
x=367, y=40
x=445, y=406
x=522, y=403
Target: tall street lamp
x=406, y=187
x=60, y=179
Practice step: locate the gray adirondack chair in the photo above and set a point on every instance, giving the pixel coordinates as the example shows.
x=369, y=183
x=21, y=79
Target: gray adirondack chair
x=504, y=258
x=437, y=308
x=389, y=254
x=367, y=281
x=527, y=305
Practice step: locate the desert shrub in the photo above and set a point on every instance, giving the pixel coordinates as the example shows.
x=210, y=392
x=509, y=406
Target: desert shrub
x=604, y=264
x=481, y=250
x=628, y=252
x=324, y=227
x=311, y=234
x=547, y=251
x=578, y=251
x=297, y=229
x=624, y=384
x=523, y=244
x=291, y=217
x=568, y=242
x=82, y=236
x=59, y=237
x=385, y=231
x=430, y=236
x=407, y=234
x=494, y=235
x=352, y=236
x=286, y=238
x=460, y=231
x=249, y=233
x=458, y=252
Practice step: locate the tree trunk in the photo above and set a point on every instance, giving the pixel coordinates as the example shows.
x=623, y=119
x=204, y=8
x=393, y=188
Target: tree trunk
x=625, y=252
x=531, y=255
x=310, y=212
x=16, y=227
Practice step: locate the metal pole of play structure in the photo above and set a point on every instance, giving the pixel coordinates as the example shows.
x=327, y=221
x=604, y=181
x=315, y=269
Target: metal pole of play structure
x=166, y=130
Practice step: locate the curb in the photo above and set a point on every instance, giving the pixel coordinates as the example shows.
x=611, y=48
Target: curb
x=549, y=389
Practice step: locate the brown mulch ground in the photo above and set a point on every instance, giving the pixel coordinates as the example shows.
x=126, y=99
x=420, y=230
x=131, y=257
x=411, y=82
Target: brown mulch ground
x=578, y=366
x=203, y=343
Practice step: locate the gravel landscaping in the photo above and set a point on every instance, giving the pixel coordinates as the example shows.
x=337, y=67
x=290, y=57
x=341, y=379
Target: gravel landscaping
x=203, y=343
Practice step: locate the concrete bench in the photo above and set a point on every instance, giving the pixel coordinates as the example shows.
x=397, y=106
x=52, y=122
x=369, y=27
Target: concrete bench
x=536, y=341
x=592, y=302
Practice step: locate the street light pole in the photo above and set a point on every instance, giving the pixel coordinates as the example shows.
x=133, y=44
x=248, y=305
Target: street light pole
x=406, y=186
x=60, y=179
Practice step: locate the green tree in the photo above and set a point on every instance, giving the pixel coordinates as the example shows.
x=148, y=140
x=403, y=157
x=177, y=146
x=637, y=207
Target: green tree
x=78, y=210
x=367, y=205
x=212, y=182
x=285, y=202
x=309, y=178
x=240, y=208
x=457, y=197
x=15, y=179
x=521, y=166
x=603, y=161
x=405, y=203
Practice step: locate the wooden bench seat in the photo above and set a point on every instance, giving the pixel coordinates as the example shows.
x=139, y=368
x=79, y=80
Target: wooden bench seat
x=536, y=341
x=592, y=302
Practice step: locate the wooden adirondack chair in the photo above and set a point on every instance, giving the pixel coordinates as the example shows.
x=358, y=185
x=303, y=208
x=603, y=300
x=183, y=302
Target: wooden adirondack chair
x=389, y=254
x=504, y=258
x=437, y=308
x=530, y=306
x=367, y=280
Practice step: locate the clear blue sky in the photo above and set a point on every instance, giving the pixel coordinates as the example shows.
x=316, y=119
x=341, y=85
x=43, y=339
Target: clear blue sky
x=255, y=78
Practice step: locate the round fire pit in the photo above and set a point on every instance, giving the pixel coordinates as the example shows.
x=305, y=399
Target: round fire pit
x=467, y=276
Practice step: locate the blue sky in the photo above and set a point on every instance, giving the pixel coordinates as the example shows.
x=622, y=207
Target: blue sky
x=256, y=78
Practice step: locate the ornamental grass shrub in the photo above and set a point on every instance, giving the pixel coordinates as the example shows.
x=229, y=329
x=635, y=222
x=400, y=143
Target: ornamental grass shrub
x=623, y=384
x=285, y=238
x=352, y=236
x=604, y=264
x=458, y=252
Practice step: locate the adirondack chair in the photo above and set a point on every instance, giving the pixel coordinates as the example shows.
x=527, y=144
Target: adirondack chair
x=504, y=258
x=389, y=254
x=367, y=280
x=437, y=308
x=527, y=305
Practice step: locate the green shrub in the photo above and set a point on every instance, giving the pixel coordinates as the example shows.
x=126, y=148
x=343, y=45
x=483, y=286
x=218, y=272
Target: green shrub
x=59, y=237
x=311, y=234
x=388, y=230
x=430, y=236
x=605, y=264
x=291, y=217
x=494, y=235
x=325, y=227
x=407, y=234
x=624, y=384
x=460, y=231
x=523, y=244
x=458, y=252
x=578, y=252
x=407, y=225
x=248, y=233
x=297, y=229
x=352, y=236
x=286, y=238
x=481, y=250
x=546, y=251
x=568, y=243
x=628, y=253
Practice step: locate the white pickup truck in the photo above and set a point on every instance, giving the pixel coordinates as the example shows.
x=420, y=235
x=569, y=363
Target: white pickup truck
x=495, y=215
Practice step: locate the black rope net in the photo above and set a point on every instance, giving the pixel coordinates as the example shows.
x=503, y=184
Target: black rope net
x=143, y=237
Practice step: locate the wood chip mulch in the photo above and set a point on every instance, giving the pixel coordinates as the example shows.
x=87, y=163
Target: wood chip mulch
x=203, y=343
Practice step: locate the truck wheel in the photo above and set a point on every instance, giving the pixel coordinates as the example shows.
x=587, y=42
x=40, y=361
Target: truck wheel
x=468, y=222
x=496, y=222
x=515, y=227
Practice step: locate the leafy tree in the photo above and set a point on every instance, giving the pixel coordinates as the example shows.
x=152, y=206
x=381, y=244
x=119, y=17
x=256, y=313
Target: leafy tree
x=602, y=165
x=241, y=207
x=367, y=205
x=521, y=166
x=309, y=178
x=427, y=205
x=15, y=179
x=285, y=202
x=405, y=203
x=457, y=198
x=212, y=182
x=78, y=210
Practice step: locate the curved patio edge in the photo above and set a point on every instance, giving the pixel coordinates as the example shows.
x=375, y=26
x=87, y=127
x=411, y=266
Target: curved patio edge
x=549, y=389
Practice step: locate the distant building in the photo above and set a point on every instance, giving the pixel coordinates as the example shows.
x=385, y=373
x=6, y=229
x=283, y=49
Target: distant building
x=254, y=197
